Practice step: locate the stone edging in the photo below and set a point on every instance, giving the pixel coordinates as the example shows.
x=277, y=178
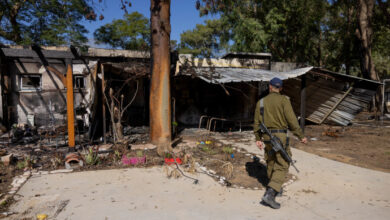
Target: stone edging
x=222, y=179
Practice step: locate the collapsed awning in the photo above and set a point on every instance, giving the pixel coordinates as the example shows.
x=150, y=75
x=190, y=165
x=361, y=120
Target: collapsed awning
x=230, y=75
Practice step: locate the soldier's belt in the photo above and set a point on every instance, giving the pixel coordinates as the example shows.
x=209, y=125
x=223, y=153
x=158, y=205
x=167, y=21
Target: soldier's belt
x=278, y=131
x=286, y=145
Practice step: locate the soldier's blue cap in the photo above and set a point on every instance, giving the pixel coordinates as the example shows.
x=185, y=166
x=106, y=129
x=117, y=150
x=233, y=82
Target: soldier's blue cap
x=276, y=82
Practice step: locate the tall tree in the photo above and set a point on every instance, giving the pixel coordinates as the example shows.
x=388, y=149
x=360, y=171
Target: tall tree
x=205, y=40
x=46, y=22
x=381, y=39
x=131, y=33
x=365, y=33
x=341, y=44
x=160, y=97
x=287, y=29
x=337, y=34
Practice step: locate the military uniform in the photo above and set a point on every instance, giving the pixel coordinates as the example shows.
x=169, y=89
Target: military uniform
x=278, y=117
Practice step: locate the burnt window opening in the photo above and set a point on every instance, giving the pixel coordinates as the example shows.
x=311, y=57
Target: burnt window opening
x=30, y=82
x=78, y=82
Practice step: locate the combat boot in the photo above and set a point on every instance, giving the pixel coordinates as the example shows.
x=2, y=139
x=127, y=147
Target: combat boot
x=280, y=194
x=269, y=198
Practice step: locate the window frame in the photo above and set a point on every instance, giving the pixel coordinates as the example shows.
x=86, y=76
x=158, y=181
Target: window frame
x=78, y=77
x=23, y=88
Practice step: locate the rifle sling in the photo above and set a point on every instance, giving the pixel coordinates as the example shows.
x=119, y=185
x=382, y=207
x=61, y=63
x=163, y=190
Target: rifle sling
x=274, y=130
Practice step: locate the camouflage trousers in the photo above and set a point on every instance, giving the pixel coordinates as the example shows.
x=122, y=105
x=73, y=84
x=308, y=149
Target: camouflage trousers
x=277, y=166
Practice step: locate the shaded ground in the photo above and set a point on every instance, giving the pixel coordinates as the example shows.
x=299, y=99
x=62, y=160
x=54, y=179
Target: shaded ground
x=364, y=145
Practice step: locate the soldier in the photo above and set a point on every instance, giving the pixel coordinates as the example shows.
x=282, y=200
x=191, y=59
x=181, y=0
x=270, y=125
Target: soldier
x=276, y=111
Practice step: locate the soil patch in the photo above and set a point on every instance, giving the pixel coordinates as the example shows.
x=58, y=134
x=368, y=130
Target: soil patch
x=239, y=167
x=365, y=145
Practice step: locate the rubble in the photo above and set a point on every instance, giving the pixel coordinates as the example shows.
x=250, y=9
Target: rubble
x=73, y=158
x=3, y=152
x=143, y=147
x=23, y=134
x=6, y=160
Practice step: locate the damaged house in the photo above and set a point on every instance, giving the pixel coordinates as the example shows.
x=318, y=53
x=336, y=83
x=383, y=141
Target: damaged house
x=33, y=86
x=111, y=90
x=225, y=91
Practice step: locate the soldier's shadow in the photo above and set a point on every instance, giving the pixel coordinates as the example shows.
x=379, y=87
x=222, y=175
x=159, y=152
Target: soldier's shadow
x=257, y=170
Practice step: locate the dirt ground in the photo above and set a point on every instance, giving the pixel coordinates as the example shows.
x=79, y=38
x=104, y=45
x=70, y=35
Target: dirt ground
x=366, y=143
x=225, y=155
x=362, y=144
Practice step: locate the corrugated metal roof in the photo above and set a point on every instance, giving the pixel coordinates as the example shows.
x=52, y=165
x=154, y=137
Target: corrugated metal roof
x=355, y=78
x=242, y=54
x=229, y=75
x=323, y=95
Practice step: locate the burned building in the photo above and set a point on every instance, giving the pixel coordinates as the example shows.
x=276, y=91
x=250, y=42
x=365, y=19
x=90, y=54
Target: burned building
x=226, y=91
x=111, y=88
x=33, y=84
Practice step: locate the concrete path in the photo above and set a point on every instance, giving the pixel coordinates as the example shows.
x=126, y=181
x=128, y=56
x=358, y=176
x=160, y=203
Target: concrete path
x=325, y=189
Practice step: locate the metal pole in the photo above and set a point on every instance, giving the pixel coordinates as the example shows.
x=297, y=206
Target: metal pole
x=70, y=104
x=303, y=102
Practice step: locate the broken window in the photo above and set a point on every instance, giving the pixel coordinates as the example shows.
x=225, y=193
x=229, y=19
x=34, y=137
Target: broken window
x=78, y=82
x=28, y=82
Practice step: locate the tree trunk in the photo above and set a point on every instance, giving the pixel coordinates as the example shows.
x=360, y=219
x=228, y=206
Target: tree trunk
x=364, y=33
x=348, y=39
x=160, y=97
x=119, y=130
x=319, y=49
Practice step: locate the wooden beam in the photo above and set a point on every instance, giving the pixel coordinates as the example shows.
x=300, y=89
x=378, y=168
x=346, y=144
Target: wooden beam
x=103, y=105
x=337, y=104
x=27, y=53
x=303, y=102
x=58, y=74
x=4, y=94
x=70, y=104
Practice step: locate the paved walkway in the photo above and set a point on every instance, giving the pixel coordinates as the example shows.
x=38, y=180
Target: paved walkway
x=325, y=189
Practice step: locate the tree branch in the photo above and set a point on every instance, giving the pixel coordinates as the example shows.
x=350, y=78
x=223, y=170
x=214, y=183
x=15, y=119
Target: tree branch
x=136, y=92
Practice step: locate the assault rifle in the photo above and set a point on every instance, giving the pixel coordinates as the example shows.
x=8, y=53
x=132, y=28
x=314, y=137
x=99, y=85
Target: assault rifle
x=277, y=145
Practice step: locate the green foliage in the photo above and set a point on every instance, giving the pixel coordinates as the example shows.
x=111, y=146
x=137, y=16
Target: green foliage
x=140, y=153
x=131, y=33
x=207, y=149
x=227, y=150
x=168, y=155
x=381, y=41
x=315, y=32
x=287, y=29
x=205, y=40
x=117, y=155
x=45, y=22
x=25, y=163
x=21, y=164
x=92, y=158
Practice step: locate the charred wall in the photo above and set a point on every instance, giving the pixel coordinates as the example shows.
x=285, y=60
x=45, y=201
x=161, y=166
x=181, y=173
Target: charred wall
x=195, y=97
x=43, y=104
